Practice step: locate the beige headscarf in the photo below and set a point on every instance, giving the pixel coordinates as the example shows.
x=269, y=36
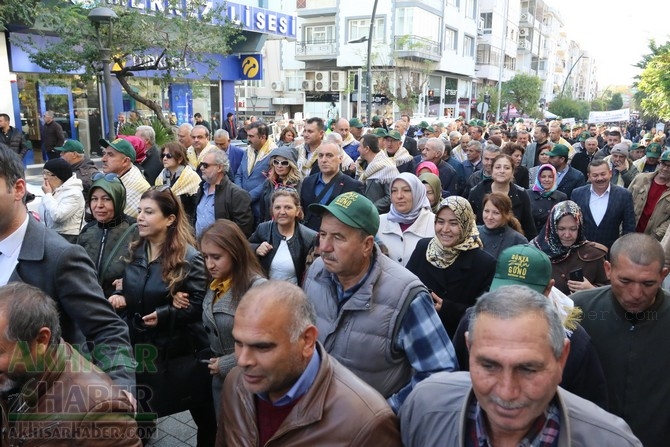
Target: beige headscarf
x=441, y=256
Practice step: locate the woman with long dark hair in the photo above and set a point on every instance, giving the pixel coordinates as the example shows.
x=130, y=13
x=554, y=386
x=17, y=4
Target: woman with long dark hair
x=164, y=263
x=234, y=269
x=283, y=243
x=501, y=229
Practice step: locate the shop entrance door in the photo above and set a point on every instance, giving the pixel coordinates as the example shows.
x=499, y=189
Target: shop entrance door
x=59, y=100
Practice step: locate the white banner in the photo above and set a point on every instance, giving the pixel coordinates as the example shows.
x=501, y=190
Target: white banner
x=609, y=116
x=568, y=121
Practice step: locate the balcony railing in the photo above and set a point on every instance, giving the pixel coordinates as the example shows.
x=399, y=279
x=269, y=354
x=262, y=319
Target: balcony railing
x=315, y=50
x=315, y=4
x=415, y=47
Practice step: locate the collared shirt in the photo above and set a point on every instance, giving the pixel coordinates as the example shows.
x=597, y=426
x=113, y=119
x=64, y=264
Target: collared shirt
x=561, y=174
x=205, y=210
x=421, y=337
x=543, y=433
x=301, y=386
x=10, y=247
x=598, y=204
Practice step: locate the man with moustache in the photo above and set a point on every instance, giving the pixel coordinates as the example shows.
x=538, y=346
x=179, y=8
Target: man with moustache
x=518, y=350
x=607, y=209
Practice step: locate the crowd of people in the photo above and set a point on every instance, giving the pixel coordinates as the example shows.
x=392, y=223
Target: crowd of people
x=449, y=284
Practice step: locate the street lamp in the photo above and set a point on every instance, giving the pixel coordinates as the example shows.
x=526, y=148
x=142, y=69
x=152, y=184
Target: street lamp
x=254, y=100
x=104, y=16
x=570, y=72
x=368, y=77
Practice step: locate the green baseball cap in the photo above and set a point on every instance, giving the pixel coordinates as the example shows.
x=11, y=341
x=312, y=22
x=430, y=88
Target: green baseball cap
x=429, y=129
x=559, y=150
x=665, y=156
x=522, y=265
x=395, y=135
x=380, y=132
x=423, y=125
x=355, y=122
x=352, y=209
x=71, y=146
x=636, y=146
x=122, y=146
x=584, y=136
x=654, y=150
x=519, y=120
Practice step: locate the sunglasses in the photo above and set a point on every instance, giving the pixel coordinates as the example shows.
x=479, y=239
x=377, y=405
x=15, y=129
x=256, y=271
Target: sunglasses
x=167, y=155
x=110, y=177
x=283, y=163
x=204, y=165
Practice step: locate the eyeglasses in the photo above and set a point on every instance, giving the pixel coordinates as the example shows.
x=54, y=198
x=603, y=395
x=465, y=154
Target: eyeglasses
x=110, y=177
x=204, y=165
x=167, y=155
x=283, y=163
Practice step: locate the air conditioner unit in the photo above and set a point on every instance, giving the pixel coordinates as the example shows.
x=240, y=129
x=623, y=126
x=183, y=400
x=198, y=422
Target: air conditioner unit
x=523, y=32
x=308, y=85
x=323, y=76
x=524, y=17
x=309, y=75
x=278, y=86
x=321, y=86
x=337, y=86
x=338, y=76
x=480, y=24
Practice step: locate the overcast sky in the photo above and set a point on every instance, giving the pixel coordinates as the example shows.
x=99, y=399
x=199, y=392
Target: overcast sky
x=615, y=33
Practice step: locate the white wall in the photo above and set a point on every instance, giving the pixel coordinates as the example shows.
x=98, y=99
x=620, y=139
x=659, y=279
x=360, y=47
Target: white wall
x=6, y=78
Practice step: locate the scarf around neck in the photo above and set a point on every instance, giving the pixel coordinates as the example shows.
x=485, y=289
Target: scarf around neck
x=442, y=257
x=381, y=168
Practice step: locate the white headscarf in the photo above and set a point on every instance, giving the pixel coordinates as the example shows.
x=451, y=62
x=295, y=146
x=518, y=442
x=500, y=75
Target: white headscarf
x=419, y=200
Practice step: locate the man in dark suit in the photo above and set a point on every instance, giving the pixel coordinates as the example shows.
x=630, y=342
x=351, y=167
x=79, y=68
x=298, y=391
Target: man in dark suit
x=568, y=178
x=327, y=184
x=607, y=209
x=408, y=142
x=229, y=126
x=36, y=255
x=235, y=153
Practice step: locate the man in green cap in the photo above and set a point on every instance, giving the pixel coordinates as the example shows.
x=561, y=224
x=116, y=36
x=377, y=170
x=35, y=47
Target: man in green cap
x=649, y=162
x=356, y=129
x=400, y=156
x=651, y=193
x=72, y=151
x=118, y=157
x=373, y=315
x=567, y=178
x=636, y=151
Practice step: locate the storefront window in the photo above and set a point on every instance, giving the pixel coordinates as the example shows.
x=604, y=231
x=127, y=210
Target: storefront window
x=74, y=102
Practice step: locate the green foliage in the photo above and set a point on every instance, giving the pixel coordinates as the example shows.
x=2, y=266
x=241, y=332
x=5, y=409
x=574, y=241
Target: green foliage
x=172, y=44
x=655, y=84
x=570, y=108
x=163, y=134
x=616, y=102
x=526, y=92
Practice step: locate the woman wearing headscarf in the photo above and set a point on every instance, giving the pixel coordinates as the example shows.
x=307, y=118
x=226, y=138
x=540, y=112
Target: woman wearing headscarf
x=433, y=189
x=409, y=220
x=452, y=264
x=576, y=264
x=107, y=237
x=543, y=195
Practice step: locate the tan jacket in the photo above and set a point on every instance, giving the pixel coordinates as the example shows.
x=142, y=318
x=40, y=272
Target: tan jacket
x=75, y=404
x=339, y=409
x=660, y=218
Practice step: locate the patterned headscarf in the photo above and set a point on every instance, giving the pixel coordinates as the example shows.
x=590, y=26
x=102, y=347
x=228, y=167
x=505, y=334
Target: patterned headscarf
x=549, y=242
x=441, y=256
x=538, y=186
x=419, y=200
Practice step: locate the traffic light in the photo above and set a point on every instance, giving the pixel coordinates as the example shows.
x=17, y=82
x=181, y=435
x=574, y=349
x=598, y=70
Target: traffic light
x=487, y=99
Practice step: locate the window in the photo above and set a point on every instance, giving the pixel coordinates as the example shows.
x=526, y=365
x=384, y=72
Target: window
x=415, y=21
x=488, y=55
x=359, y=28
x=319, y=33
x=487, y=17
x=468, y=46
x=470, y=7
x=450, y=39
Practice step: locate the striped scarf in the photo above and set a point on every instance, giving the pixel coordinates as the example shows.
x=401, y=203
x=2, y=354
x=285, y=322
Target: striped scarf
x=381, y=168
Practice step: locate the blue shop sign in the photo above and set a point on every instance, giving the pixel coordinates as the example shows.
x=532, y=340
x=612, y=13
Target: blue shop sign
x=251, y=18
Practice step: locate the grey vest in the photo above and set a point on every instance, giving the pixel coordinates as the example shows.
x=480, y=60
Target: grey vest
x=361, y=335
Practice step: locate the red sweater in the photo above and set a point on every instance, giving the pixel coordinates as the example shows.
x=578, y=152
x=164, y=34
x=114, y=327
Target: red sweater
x=269, y=418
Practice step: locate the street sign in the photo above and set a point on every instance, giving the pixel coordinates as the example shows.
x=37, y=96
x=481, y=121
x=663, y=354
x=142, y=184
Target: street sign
x=482, y=108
